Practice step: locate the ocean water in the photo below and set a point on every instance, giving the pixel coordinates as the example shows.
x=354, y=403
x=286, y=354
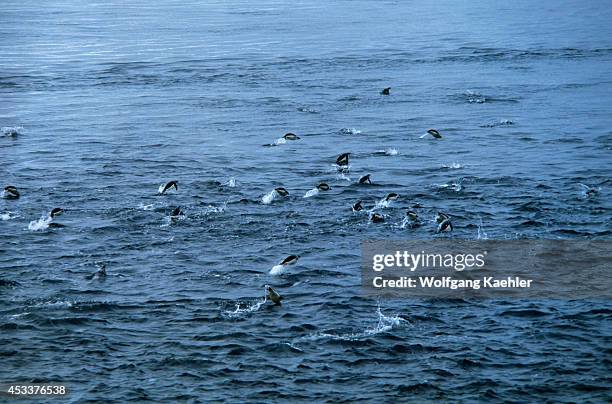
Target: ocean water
x=101, y=102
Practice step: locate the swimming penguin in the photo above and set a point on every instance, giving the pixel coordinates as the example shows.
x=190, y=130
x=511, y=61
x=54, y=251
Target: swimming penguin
x=412, y=215
x=273, y=295
x=162, y=189
x=442, y=217
x=323, y=187
x=55, y=212
x=357, y=206
x=10, y=192
x=291, y=136
x=290, y=260
x=99, y=274
x=343, y=159
x=445, y=226
x=386, y=91
x=377, y=218
x=281, y=191
x=434, y=133
x=365, y=179
x=391, y=197
x=588, y=191
x=177, y=212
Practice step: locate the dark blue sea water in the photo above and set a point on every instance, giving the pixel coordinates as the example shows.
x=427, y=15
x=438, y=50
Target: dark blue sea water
x=101, y=102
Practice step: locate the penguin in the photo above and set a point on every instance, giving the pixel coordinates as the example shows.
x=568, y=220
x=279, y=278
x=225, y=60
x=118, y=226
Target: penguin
x=386, y=91
x=377, y=218
x=55, y=212
x=412, y=216
x=290, y=260
x=357, y=206
x=323, y=187
x=365, y=179
x=445, y=226
x=177, y=212
x=273, y=295
x=391, y=197
x=434, y=133
x=163, y=188
x=343, y=159
x=291, y=136
x=281, y=191
x=442, y=217
x=588, y=191
x=10, y=192
x=99, y=274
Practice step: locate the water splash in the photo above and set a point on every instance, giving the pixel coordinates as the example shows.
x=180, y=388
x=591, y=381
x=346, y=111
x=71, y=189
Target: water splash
x=311, y=193
x=269, y=197
x=482, y=234
x=40, y=224
x=384, y=324
x=349, y=131
x=278, y=270
x=8, y=216
x=242, y=309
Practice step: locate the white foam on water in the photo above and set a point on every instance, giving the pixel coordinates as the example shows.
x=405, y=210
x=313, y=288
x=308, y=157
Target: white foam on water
x=231, y=182
x=391, y=152
x=279, y=141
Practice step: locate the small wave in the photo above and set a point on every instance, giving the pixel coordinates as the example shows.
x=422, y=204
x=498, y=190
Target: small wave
x=312, y=192
x=473, y=97
x=349, y=131
x=390, y=152
x=453, y=166
x=40, y=224
x=308, y=110
x=279, y=141
x=502, y=122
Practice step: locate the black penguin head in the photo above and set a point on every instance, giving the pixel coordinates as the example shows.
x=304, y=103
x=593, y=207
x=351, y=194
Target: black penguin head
x=365, y=179
x=177, y=211
x=386, y=91
x=343, y=159
x=56, y=212
x=434, y=133
x=358, y=206
x=323, y=187
x=281, y=191
x=391, y=196
x=291, y=136
x=412, y=215
x=377, y=218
